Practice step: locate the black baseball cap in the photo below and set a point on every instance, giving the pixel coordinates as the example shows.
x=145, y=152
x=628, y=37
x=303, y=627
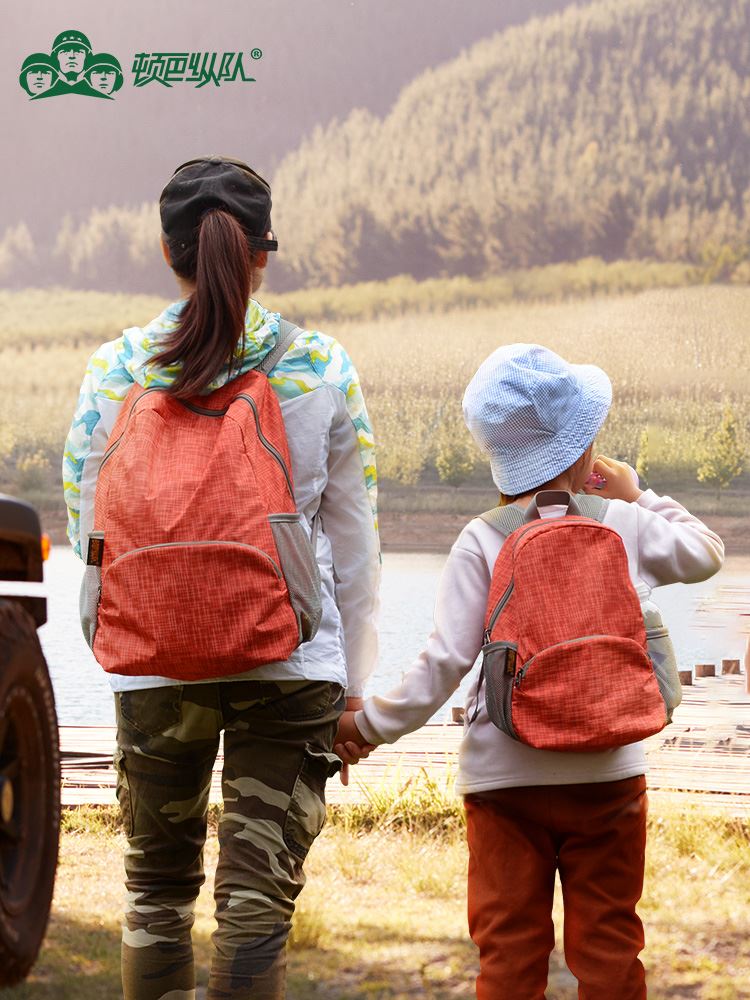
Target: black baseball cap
x=217, y=182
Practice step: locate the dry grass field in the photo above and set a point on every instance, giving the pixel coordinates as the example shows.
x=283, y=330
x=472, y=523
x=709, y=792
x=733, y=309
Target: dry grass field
x=677, y=358
x=383, y=916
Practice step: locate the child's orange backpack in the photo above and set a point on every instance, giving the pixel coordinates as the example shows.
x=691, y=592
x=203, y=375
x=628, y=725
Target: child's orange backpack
x=205, y=566
x=565, y=658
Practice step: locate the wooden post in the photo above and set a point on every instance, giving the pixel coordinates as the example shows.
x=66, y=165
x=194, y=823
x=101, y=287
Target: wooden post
x=730, y=666
x=457, y=714
x=686, y=677
x=705, y=669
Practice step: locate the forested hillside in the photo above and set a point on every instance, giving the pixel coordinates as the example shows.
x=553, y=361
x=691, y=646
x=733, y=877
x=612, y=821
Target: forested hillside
x=618, y=130
x=321, y=59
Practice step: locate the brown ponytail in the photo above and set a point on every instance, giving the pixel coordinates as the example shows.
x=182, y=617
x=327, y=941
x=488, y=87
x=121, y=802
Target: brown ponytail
x=213, y=319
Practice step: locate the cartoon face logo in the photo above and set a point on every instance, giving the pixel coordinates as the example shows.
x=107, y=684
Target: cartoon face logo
x=71, y=61
x=71, y=68
x=38, y=74
x=38, y=80
x=104, y=80
x=70, y=48
x=103, y=73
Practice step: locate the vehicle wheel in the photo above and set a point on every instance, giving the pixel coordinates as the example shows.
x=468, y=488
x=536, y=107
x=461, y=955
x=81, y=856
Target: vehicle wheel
x=29, y=793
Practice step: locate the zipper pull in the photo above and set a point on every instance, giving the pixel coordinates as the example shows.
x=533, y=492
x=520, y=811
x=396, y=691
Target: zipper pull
x=510, y=662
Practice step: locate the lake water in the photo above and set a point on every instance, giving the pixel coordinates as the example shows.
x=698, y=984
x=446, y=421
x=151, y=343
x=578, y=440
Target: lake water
x=703, y=619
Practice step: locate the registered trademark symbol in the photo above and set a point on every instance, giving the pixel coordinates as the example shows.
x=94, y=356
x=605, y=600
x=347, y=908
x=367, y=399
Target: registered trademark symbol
x=257, y=54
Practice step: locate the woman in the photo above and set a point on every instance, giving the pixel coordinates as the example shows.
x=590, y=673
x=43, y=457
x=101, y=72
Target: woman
x=280, y=719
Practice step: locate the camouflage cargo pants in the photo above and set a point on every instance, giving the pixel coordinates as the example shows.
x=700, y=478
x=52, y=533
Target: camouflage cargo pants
x=277, y=757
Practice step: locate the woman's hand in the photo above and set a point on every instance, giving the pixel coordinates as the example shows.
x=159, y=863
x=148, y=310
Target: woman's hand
x=621, y=483
x=350, y=745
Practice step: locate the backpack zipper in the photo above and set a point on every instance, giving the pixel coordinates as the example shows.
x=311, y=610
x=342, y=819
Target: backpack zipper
x=496, y=612
x=267, y=444
x=274, y=452
x=205, y=412
x=506, y=596
x=116, y=444
x=509, y=590
x=525, y=668
x=216, y=541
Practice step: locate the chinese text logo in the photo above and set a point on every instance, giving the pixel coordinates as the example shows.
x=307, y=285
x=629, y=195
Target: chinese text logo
x=200, y=68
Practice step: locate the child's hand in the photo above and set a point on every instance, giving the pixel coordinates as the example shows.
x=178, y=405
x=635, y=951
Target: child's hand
x=621, y=483
x=350, y=744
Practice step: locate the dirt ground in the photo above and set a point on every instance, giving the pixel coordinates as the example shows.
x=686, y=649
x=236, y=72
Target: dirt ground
x=383, y=915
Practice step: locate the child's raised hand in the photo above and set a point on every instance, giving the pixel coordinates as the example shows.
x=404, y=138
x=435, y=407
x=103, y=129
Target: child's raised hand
x=620, y=480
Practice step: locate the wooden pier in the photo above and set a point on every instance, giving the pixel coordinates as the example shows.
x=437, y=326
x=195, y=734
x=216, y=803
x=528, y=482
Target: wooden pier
x=705, y=751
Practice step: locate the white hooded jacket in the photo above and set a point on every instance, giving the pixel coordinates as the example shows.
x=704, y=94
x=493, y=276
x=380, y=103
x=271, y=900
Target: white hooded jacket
x=332, y=453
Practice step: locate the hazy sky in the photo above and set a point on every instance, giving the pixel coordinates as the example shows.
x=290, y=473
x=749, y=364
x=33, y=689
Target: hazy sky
x=320, y=59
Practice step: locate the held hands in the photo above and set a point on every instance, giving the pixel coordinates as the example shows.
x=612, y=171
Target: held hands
x=350, y=744
x=620, y=480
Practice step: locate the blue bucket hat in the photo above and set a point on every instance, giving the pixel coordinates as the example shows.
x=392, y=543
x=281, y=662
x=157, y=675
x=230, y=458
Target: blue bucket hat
x=534, y=414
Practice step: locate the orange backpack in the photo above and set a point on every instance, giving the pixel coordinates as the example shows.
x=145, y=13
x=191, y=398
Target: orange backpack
x=566, y=660
x=206, y=567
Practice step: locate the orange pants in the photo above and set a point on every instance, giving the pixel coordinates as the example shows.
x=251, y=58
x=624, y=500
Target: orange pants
x=595, y=835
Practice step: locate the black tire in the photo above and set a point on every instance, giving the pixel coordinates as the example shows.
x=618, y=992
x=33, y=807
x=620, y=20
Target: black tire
x=29, y=793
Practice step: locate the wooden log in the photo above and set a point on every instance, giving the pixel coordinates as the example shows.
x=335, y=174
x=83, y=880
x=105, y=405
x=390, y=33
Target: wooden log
x=730, y=666
x=705, y=669
x=686, y=677
x=457, y=714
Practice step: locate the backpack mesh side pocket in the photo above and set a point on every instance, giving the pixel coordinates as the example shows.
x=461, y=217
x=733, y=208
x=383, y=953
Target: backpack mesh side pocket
x=88, y=602
x=498, y=666
x=663, y=657
x=301, y=572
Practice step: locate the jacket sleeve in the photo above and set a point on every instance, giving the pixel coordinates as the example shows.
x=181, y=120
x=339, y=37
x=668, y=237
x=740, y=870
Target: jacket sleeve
x=84, y=447
x=349, y=521
x=673, y=545
x=450, y=652
x=99, y=402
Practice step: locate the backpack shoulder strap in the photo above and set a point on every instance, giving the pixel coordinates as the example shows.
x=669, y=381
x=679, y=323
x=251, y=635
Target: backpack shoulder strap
x=287, y=333
x=592, y=506
x=507, y=519
x=504, y=519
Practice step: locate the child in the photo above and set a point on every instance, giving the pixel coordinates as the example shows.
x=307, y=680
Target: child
x=531, y=812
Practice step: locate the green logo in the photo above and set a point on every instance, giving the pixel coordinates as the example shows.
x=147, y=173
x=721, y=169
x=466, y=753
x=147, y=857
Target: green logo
x=71, y=68
x=199, y=68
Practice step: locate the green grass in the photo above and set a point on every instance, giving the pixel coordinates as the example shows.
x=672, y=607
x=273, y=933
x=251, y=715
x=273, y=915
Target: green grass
x=373, y=300
x=42, y=317
x=383, y=913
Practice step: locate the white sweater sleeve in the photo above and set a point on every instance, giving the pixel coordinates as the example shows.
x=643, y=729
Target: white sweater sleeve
x=673, y=545
x=450, y=651
x=349, y=524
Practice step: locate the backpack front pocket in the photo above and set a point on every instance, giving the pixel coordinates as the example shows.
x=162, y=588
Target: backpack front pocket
x=589, y=694
x=194, y=610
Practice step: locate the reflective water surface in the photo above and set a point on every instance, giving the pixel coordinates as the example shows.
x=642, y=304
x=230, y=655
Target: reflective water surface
x=703, y=619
